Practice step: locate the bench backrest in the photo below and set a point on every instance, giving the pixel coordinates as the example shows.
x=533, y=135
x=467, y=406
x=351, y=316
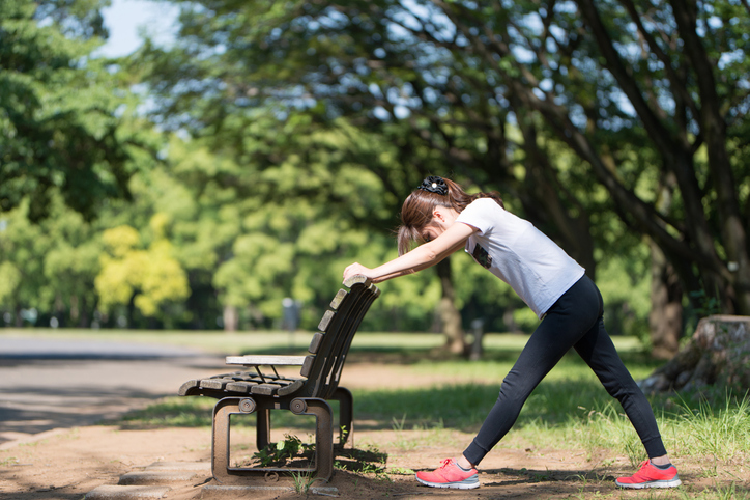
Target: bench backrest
x=329, y=347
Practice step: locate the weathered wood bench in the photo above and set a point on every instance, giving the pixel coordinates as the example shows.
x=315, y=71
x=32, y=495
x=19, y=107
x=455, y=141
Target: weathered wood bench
x=255, y=391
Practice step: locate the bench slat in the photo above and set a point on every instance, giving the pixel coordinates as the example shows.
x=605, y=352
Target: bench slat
x=326, y=320
x=214, y=383
x=190, y=384
x=264, y=389
x=338, y=299
x=315, y=343
x=307, y=366
x=293, y=387
x=239, y=387
x=266, y=360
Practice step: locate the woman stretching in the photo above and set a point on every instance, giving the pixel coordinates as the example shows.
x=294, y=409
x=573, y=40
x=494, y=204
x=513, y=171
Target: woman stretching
x=444, y=218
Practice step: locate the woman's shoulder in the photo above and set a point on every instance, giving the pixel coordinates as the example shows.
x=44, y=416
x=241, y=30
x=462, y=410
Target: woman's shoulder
x=484, y=204
x=483, y=213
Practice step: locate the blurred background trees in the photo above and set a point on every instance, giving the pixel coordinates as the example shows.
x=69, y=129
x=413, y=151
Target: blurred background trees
x=271, y=143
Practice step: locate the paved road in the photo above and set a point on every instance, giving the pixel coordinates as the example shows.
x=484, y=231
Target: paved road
x=47, y=384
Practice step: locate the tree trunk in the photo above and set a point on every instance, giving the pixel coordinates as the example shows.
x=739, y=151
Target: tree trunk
x=84, y=313
x=717, y=354
x=231, y=318
x=450, y=316
x=544, y=198
x=666, y=306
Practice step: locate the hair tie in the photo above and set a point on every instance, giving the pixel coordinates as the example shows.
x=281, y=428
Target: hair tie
x=434, y=184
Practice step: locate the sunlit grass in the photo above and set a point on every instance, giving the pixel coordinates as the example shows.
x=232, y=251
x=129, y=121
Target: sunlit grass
x=260, y=341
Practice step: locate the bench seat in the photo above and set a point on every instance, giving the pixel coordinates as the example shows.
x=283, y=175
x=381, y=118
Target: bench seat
x=242, y=384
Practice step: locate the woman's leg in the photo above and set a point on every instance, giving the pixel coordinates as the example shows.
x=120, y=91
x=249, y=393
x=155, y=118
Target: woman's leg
x=598, y=351
x=566, y=321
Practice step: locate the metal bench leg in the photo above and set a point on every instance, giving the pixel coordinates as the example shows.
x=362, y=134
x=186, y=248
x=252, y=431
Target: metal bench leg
x=220, y=436
x=263, y=428
x=220, y=443
x=323, y=432
x=346, y=415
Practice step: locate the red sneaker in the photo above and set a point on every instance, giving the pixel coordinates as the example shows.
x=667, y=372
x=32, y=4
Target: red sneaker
x=650, y=476
x=450, y=475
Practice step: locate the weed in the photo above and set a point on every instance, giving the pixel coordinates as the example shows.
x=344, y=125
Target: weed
x=302, y=482
x=582, y=489
x=401, y=442
x=721, y=433
x=634, y=450
x=343, y=435
x=402, y=471
x=279, y=453
x=398, y=425
x=371, y=469
x=728, y=492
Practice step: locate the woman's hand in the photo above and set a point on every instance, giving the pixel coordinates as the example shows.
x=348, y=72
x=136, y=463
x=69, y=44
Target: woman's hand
x=355, y=269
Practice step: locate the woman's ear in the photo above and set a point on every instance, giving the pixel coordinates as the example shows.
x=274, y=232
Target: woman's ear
x=436, y=214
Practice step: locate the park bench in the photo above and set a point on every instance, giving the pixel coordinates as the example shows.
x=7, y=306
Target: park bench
x=256, y=391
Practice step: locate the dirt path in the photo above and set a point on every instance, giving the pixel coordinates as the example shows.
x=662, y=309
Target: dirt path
x=66, y=464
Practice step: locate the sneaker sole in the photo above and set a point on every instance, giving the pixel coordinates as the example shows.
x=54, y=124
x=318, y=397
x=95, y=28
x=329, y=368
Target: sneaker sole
x=666, y=483
x=467, y=484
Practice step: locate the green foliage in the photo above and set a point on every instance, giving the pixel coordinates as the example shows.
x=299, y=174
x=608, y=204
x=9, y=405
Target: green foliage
x=277, y=454
x=299, y=128
x=625, y=284
x=22, y=247
x=576, y=118
x=706, y=305
x=10, y=278
x=150, y=277
x=61, y=125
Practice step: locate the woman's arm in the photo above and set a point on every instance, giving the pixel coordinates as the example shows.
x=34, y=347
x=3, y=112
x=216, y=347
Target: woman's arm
x=424, y=256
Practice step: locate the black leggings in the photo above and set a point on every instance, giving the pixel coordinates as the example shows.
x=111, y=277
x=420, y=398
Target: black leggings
x=575, y=320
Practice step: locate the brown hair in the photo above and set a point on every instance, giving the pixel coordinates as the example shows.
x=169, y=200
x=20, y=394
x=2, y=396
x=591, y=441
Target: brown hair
x=416, y=212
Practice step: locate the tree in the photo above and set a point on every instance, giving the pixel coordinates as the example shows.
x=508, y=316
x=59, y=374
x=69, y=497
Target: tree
x=269, y=214
x=447, y=84
x=147, y=279
x=22, y=246
x=61, y=124
x=70, y=264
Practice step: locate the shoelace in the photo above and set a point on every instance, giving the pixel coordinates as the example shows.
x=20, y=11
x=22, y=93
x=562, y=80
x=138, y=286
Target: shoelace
x=641, y=472
x=445, y=463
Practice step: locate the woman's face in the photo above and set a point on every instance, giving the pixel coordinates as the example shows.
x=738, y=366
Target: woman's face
x=442, y=219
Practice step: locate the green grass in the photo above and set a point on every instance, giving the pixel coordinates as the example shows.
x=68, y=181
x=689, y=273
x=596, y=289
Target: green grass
x=274, y=341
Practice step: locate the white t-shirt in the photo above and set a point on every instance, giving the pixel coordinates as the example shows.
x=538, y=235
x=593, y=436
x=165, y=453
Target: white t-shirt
x=519, y=254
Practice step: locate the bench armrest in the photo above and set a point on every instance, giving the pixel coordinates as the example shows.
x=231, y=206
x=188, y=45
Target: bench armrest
x=266, y=360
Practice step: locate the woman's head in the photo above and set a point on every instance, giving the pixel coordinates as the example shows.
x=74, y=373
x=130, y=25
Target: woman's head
x=418, y=208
